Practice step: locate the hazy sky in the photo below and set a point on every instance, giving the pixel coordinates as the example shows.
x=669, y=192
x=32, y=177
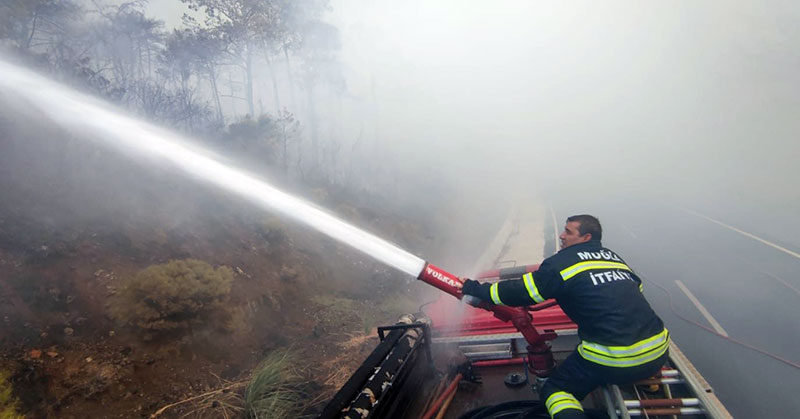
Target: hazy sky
x=536, y=80
x=699, y=96
x=581, y=87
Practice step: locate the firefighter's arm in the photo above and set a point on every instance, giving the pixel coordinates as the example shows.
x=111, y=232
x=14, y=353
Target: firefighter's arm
x=533, y=288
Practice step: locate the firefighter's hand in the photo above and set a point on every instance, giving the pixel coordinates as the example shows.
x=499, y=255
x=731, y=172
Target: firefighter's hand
x=477, y=291
x=471, y=287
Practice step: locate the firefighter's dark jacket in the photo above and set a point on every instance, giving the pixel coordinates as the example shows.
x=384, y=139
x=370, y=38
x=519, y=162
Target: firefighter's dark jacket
x=600, y=293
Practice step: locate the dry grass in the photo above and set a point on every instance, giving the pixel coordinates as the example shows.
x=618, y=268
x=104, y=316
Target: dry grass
x=225, y=402
x=337, y=370
x=271, y=392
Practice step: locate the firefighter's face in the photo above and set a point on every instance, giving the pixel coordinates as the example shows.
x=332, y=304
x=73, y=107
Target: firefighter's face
x=571, y=235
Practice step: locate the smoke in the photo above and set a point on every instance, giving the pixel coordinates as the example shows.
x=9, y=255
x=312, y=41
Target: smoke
x=696, y=98
x=469, y=108
x=74, y=111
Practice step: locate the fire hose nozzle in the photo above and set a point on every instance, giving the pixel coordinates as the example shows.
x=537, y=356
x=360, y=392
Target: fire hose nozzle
x=441, y=279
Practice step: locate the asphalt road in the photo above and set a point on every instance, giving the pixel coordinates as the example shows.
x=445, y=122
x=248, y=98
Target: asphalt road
x=746, y=286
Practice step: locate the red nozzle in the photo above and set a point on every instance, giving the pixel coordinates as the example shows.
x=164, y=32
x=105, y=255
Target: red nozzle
x=441, y=279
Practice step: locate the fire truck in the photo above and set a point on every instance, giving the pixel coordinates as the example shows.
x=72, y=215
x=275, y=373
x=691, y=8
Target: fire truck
x=455, y=360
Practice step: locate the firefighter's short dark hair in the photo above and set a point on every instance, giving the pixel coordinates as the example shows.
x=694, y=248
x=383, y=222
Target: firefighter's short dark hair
x=589, y=224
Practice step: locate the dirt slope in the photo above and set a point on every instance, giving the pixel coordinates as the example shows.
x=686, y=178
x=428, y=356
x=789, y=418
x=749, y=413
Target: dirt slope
x=292, y=289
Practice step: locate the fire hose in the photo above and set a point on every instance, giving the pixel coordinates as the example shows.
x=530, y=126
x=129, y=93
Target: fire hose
x=447, y=394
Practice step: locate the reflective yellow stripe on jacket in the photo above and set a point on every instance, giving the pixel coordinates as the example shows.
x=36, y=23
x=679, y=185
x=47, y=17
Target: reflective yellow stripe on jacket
x=561, y=400
x=641, y=352
x=494, y=294
x=533, y=292
x=592, y=264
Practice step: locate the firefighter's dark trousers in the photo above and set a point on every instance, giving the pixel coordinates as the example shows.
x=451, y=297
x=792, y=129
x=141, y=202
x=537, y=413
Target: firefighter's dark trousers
x=576, y=377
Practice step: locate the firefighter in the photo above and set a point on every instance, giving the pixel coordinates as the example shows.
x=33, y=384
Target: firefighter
x=622, y=339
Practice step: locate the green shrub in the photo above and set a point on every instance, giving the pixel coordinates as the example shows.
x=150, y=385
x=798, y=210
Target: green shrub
x=273, y=391
x=174, y=295
x=8, y=404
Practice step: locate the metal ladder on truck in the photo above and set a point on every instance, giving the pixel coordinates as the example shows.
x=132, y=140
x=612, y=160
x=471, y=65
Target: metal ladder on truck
x=681, y=393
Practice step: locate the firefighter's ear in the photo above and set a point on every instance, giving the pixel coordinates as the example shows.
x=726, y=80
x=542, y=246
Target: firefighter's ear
x=585, y=238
